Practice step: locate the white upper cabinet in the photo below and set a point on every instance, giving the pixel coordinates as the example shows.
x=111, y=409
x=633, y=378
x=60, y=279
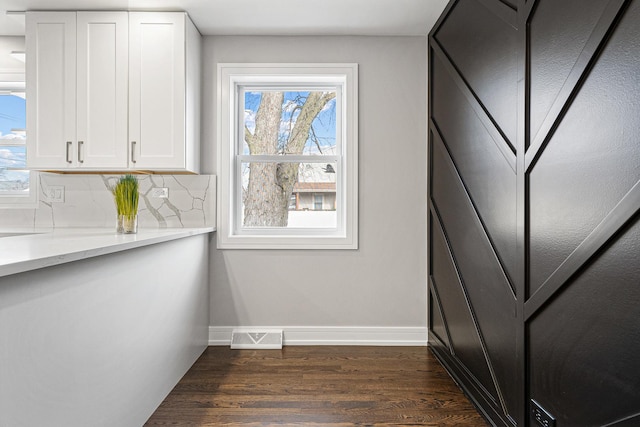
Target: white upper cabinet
x=164, y=50
x=129, y=98
x=102, y=89
x=51, y=89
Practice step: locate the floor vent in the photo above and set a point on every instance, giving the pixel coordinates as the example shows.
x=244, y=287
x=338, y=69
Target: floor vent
x=256, y=339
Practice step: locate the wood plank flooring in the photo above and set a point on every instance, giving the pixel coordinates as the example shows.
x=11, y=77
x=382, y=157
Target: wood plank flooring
x=317, y=386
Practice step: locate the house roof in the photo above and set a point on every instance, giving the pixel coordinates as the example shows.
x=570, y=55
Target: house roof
x=314, y=187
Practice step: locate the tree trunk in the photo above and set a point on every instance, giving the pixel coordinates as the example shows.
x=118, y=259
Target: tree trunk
x=265, y=203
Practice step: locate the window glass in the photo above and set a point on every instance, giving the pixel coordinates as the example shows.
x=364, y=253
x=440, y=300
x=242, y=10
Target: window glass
x=306, y=208
x=14, y=179
x=286, y=123
x=312, y=114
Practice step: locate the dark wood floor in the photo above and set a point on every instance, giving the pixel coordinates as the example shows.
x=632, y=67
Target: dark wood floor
x=317, y=386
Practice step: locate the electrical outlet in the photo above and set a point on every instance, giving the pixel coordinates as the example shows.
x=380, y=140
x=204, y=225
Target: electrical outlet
x=160, y=193
x=541, y=416
x=55, y=193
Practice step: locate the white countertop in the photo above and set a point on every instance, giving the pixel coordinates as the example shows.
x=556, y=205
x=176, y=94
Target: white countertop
x=45, y=248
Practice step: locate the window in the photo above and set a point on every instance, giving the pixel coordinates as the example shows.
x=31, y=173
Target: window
x=17, y=185
x=287, y=156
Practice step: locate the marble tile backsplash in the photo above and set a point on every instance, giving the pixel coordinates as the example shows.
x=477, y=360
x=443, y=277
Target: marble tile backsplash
x=88, y=202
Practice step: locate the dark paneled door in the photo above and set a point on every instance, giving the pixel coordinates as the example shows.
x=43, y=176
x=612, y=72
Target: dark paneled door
x=534, y=197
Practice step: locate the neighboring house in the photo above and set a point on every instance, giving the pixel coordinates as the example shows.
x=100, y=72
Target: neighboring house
x=315, y=189
x=313, y=196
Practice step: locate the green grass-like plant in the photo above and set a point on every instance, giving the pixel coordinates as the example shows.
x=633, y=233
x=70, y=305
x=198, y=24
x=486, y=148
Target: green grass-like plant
x=126, y=195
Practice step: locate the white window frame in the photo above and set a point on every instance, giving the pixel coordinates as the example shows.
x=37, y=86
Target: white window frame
x=15, y=82
x=230, y=79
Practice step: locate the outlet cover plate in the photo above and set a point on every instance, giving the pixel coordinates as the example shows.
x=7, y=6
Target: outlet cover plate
x=55, y=193
x=541, y=416
x=160, y=193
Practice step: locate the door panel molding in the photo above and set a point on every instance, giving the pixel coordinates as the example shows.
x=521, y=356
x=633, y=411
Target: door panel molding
x=578, y=75
x=489, y=123
x=626, y=210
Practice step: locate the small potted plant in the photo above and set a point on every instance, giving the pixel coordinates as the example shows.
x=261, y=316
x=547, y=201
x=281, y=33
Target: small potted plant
x=126, y=195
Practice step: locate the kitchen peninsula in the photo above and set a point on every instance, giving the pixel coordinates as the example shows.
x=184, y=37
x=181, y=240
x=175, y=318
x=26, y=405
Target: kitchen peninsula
x=99, y=326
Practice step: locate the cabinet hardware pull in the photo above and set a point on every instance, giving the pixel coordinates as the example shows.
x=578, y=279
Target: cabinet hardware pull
x=133, y=151
x=69, y=143
x=80, y=144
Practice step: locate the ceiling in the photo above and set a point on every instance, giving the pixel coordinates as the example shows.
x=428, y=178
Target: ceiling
x=262, y=17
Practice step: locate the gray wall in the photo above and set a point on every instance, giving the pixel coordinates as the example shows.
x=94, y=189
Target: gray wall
x=383, y=284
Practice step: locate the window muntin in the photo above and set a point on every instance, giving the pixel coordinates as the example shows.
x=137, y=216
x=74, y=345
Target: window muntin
x=322, y=161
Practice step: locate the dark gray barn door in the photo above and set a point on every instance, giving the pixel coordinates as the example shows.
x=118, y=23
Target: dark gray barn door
x=534, y=240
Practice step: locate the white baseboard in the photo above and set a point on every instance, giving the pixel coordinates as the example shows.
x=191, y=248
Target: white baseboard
x=332, y=335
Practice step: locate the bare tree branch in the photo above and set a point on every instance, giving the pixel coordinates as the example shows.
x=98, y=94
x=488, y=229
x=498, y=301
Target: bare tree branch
x=315, y=139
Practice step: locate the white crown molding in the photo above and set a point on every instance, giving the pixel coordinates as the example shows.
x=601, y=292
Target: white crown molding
x=332, y=335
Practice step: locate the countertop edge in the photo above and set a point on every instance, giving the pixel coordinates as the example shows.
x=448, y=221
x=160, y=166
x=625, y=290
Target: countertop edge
x=49, y=249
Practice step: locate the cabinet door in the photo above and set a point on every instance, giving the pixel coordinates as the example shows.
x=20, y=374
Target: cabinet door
x=157, y=90
x=51, y=89
x=102, y=56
